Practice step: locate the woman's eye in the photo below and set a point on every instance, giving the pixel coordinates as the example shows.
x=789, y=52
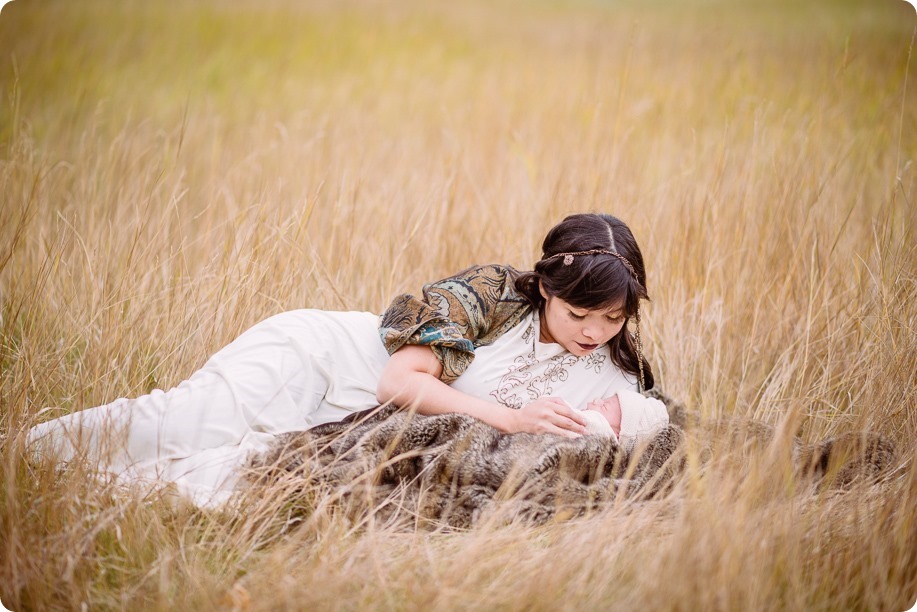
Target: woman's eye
x=615, y=320
x=577, y=317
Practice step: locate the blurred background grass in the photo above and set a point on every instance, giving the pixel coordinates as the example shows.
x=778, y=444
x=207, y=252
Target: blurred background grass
x=173, y=172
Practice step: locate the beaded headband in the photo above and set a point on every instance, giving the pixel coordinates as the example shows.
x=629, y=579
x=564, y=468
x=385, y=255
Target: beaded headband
x=568, y=258
x=638, y=342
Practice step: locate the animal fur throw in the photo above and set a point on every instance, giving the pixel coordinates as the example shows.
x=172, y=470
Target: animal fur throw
x=453, y=470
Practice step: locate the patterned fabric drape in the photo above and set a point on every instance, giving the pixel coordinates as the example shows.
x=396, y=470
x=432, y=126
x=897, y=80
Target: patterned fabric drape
x=456, y=315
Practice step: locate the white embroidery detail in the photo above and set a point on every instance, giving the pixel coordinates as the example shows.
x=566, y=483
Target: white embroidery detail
x=595, y=362
x=519, y=386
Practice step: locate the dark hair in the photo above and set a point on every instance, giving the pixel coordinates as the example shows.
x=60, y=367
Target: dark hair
x=594, y=281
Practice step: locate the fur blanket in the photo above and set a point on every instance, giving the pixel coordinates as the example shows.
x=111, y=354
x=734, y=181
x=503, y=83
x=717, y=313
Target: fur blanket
x=453, y=470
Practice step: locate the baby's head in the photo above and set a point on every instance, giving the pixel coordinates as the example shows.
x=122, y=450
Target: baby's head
x=627, y=415
x=609, y=408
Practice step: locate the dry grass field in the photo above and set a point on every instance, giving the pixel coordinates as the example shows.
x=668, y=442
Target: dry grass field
x=173, y=172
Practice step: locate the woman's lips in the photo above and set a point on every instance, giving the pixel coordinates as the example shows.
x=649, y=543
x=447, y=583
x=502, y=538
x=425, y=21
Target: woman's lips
x=588, y=347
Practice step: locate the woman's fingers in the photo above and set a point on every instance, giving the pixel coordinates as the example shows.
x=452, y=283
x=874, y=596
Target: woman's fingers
x=555, y=420
x=572, y=414
x=553, y=415
x=567, y=414
x=569, y=425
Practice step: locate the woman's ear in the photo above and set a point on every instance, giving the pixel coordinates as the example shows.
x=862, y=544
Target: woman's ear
x=541, y=290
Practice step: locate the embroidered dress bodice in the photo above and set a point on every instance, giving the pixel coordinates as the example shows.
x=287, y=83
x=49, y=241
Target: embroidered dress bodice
x=517, y=369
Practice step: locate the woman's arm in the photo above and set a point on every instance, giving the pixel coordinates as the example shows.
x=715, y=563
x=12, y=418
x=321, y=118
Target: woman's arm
x=411, y=378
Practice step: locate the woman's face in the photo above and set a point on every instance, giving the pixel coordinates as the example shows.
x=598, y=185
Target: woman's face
x=578, y=330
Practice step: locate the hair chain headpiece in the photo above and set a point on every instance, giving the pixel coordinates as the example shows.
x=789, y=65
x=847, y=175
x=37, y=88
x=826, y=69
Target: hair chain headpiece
x=568, y=258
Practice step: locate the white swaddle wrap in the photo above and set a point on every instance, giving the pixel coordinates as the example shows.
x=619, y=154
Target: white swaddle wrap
x=641, y=418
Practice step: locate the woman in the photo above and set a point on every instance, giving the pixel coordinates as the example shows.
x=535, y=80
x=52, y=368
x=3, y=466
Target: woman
x=515, y=350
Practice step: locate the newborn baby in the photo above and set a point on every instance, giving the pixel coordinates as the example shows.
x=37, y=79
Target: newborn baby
x=628, y=416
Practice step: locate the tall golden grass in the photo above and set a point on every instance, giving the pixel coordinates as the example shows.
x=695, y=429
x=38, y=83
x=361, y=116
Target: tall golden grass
x=171, y=173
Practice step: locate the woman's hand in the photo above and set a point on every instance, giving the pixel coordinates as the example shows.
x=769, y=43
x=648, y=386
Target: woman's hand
x=548, y=415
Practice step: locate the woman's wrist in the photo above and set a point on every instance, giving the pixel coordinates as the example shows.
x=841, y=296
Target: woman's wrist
x=494, y=414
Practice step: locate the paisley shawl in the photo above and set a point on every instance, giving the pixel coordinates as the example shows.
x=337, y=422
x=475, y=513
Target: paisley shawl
x=456, y=315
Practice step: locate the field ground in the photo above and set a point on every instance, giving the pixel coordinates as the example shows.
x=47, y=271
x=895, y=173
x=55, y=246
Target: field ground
x=171, y=173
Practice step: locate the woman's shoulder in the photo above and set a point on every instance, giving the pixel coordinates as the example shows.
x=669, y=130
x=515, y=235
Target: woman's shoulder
x=489, y=284
x=492, y=272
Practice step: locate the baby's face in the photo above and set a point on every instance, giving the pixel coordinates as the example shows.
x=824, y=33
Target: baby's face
x=610, y=408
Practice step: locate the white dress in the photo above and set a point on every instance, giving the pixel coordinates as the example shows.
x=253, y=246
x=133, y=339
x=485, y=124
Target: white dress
x=290, y=372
